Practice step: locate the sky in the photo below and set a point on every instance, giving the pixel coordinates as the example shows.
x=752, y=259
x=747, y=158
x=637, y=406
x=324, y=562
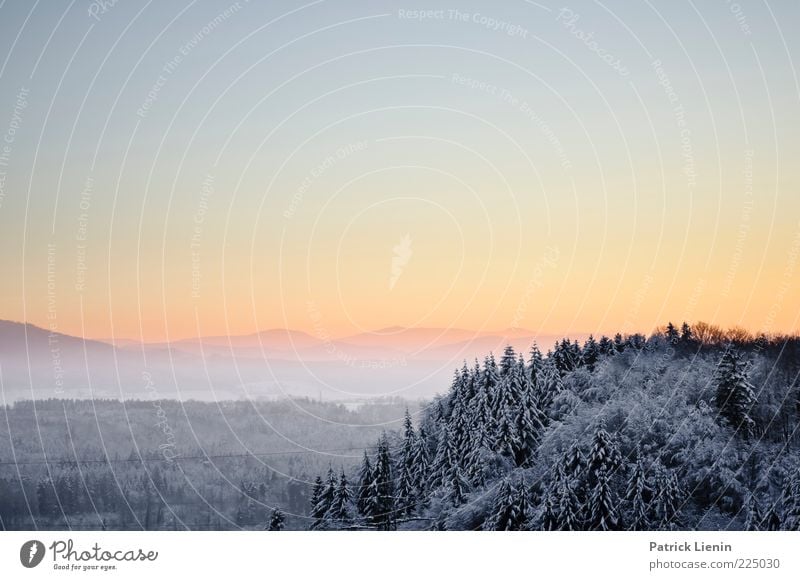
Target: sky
x=177, y=169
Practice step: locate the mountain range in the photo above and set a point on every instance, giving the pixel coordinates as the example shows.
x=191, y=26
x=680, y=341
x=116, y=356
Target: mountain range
x=394, y=361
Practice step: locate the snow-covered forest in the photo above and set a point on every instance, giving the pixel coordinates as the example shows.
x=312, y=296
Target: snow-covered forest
x=173, y=465
x=690, y=428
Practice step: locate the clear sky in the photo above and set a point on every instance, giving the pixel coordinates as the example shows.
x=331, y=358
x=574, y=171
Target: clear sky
x=169, y=169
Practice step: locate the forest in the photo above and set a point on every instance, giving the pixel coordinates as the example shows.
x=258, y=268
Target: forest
x=173, y=465
x=690, y=428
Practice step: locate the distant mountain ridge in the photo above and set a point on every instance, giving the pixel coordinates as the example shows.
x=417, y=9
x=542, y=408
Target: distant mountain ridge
x=272, y=363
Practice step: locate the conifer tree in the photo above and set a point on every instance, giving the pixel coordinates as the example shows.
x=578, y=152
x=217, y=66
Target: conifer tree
x=531, y=424
x=316, y=492
x=569, y=508
x=456, y=487
x=277, y=521
x=604, y=455
x=605, y=346
x=668, y=500
x=591, y=353
x=686, y=334
x=340, y=510
x=735, y=397
x=550, y=521
x=406, y=481
x=318, y=508
x=446, y=459
x=549, y=384
x=481, y=462
x=381, y=491
x=508, y=361
x=322, y=508
x=420, y=466
x=791, y=503
x=573, y=462
x=639, y=494
x=671, y=334
x=489, y=383
x=458, y=424
x=363, y=502
x=506, y=440
x=602, y=507
x=508, y=509
x=535, y=365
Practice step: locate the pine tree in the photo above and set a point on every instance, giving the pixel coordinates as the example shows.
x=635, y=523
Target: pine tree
x=531, y=423
x=569, y=507
x=481, y=415
x=639, y=494
x=277, y=521
x=535, y=365
x=686, y=334
x=458, y=423
x=550, y=521
x=668, y=501
x=420, y=466
x=489, y=384
x=381, y=490
x=316, y=494
x=791, y=503
x=406, y=484
x=481, y=461
x=591, y=353
x=506, y=440
x=605, y=346
x=549, y=384
x=508, y=510
x=671, y=334
x=602, y=508
x=573, y=462
x=446, y=459
x=604, y=455
x=456, y=487
x=735, y=397
x=508, y=361
x=340, y=510
x=363, y=502
x=324, y=504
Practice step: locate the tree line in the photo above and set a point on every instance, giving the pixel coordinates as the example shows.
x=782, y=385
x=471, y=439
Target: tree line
x=685, y=429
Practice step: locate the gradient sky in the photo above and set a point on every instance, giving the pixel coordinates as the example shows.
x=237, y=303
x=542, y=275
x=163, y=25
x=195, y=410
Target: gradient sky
x=335, y=167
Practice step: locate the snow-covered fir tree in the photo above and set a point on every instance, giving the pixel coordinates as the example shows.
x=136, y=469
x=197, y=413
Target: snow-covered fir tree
x=277, y=521
x=381, y=490
x=639, y=495
x=363, y=501
x=601, y=510
x=407, y=479
x=341, y=510
x=509, y=509
x=735, y=397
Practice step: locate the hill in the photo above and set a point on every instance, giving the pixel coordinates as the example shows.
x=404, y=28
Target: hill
x=682, y=430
